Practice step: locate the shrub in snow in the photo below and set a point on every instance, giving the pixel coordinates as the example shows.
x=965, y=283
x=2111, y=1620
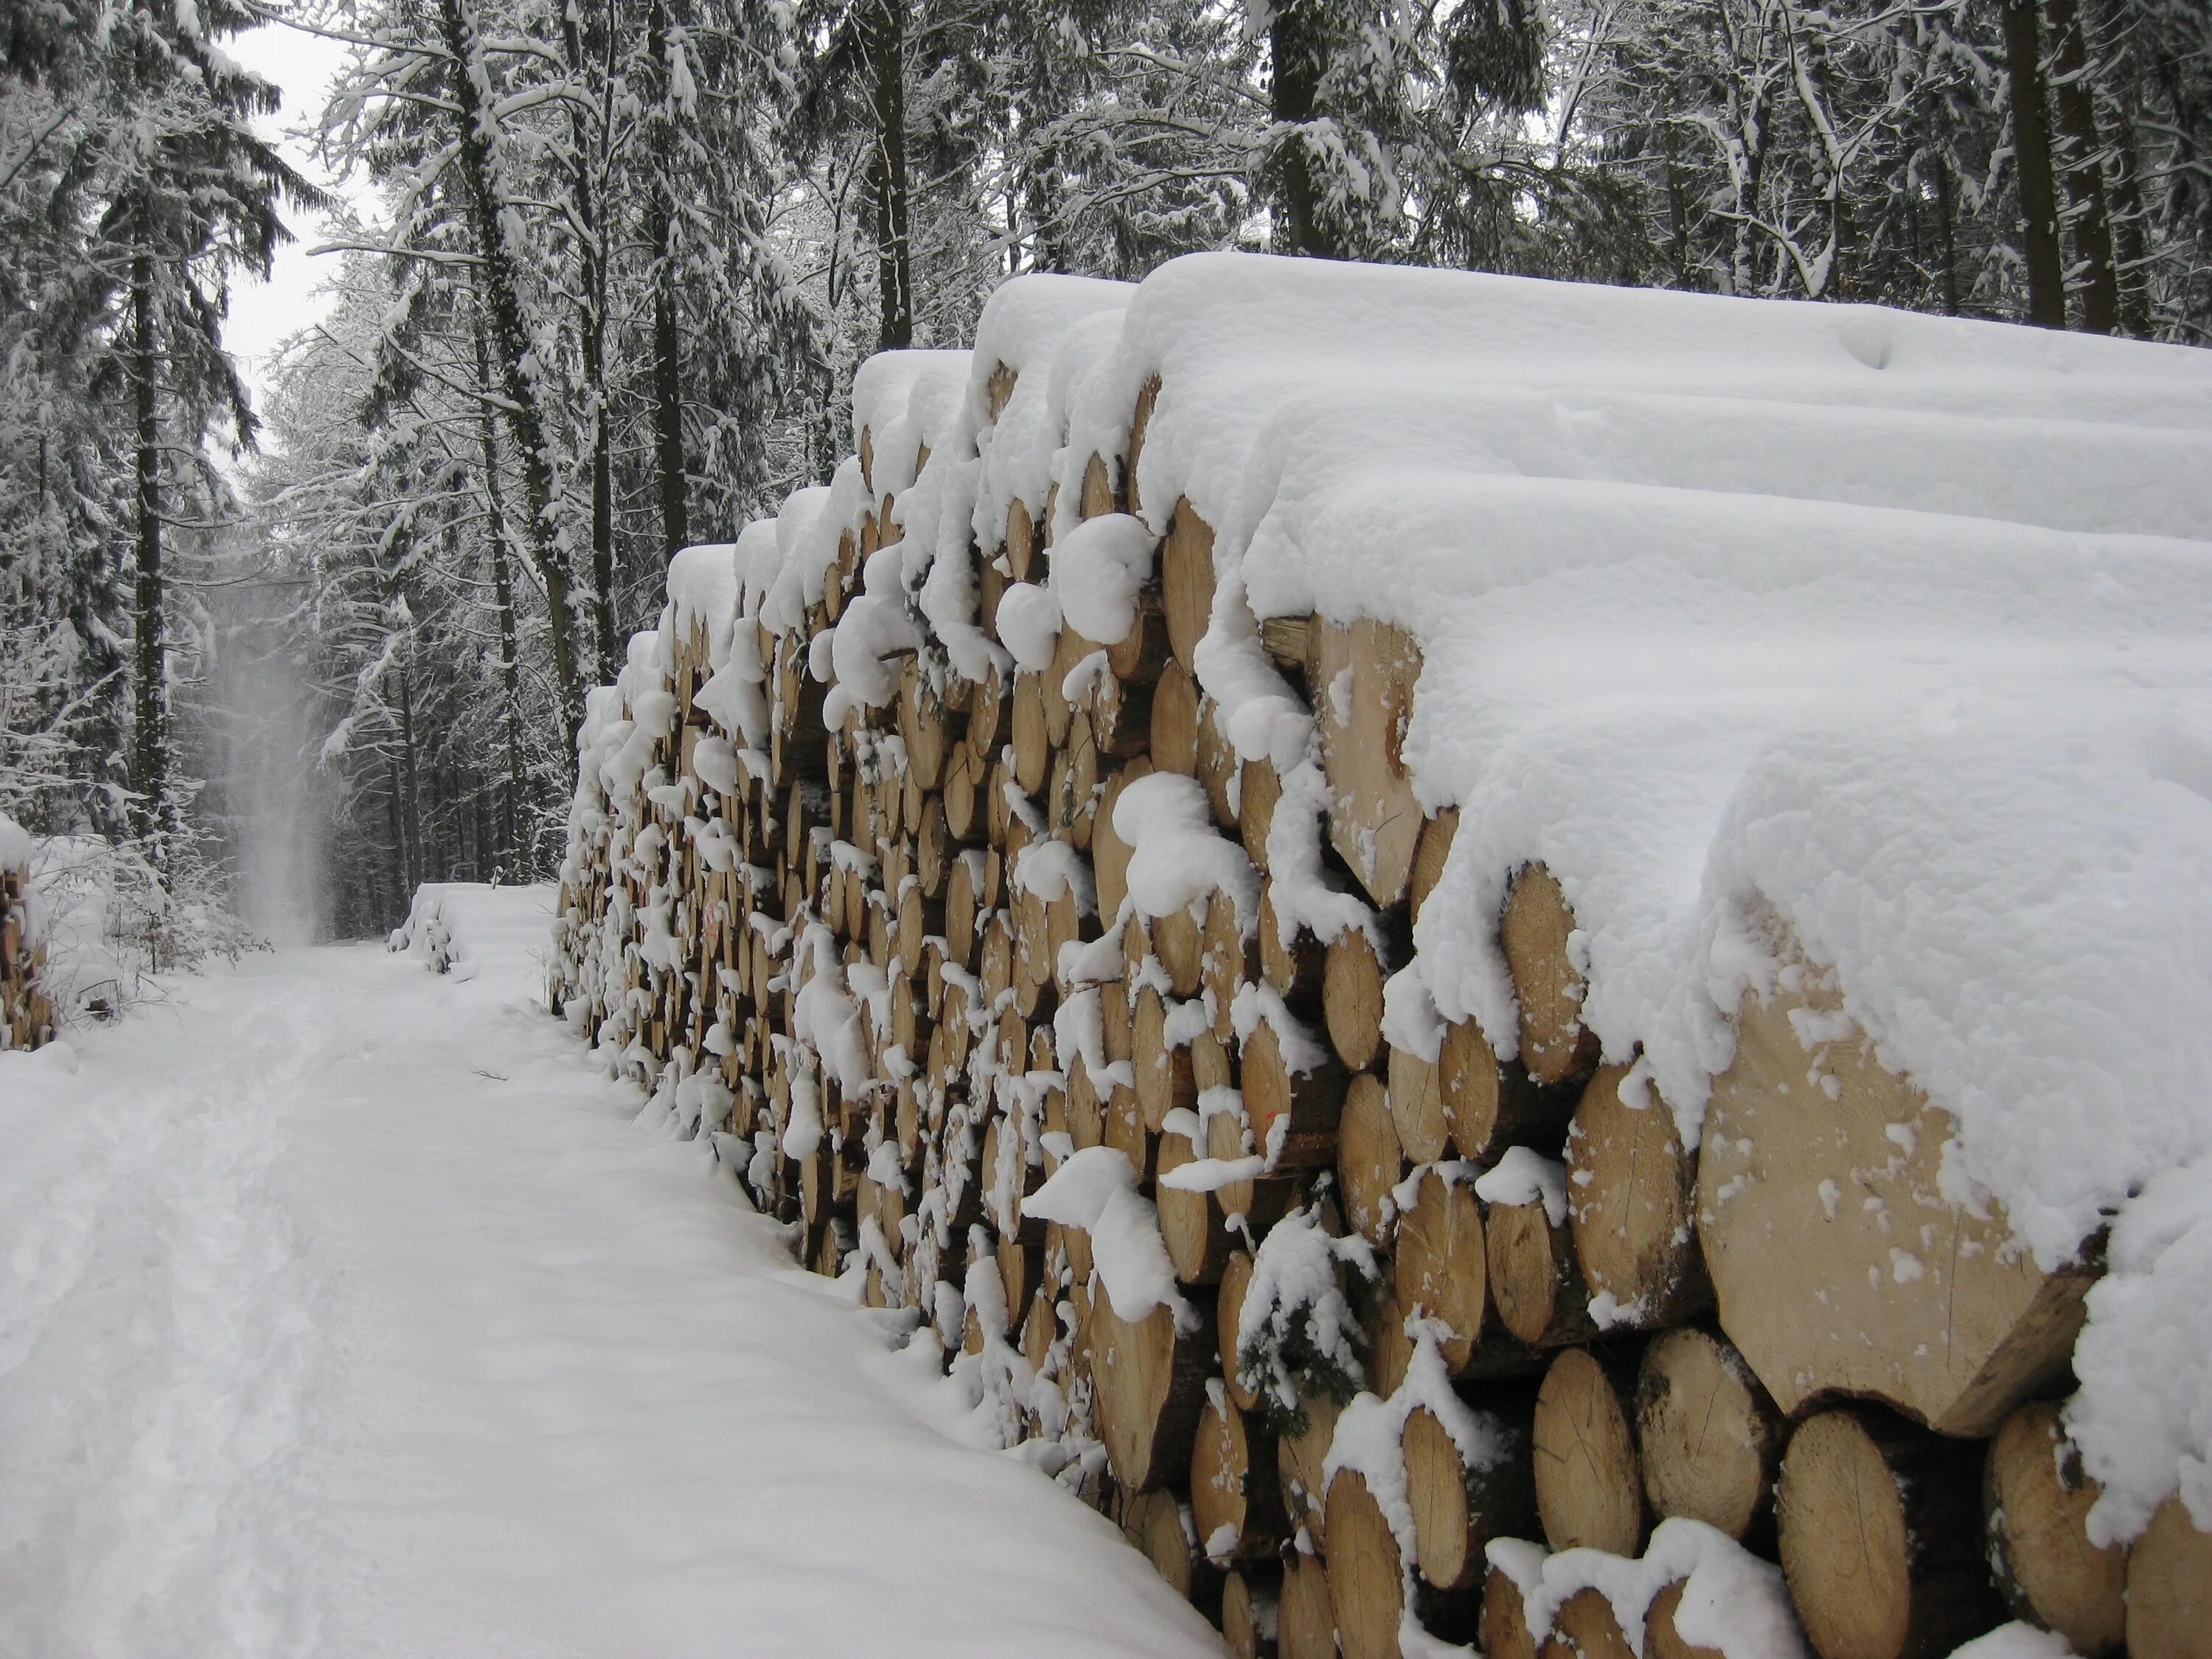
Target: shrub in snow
x=1295, y=1337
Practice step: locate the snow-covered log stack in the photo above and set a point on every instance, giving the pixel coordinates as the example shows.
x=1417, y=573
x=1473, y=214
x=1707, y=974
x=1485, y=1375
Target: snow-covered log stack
x=27, y=1017
x=1505, y=961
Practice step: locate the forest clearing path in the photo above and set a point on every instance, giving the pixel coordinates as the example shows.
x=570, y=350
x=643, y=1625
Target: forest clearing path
x=344, y=1310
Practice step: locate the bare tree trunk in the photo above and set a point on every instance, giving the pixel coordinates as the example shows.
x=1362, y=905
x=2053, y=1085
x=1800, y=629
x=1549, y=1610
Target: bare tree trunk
x=149, y=736
x=667, y=356
x=2131, y=255
x=2082, y=165
x=893, y=272
x=502, y=588
x=392, y=793
x=411, y=819
x=586, y=148
x=668, y=409
x=1678, y=224
x=1296, y=45
x=510, y=341
x=1948, y=208
x=2038, y=199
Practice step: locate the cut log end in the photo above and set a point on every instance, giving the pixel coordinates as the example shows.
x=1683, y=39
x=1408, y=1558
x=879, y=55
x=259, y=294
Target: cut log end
x=1879, y=1539
x=1535, y=933
x=1589, y=1488
x=1459, y=1506
x=2170, y=1588
x=1710, y=1439
x=2036, y=1502
x=1366, y=1585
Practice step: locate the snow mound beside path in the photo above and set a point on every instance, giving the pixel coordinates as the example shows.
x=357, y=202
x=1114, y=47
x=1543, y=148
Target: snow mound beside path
x=452, y=925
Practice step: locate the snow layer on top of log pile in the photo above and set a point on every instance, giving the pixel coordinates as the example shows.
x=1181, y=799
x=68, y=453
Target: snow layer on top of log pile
x=702, y=592
x=1253, y=329
x=899, y=397
x=1061, y=325
x=16, y=846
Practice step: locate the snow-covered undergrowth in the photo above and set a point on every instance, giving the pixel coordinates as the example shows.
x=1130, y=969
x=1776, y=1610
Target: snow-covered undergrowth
x=106, y=927
x=351, y=1310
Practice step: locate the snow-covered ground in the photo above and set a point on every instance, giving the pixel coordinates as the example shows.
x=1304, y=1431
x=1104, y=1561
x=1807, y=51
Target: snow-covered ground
x=344, y=1309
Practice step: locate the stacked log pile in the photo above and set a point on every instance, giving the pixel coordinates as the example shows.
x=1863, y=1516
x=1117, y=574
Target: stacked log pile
x=1034, y=1004
x=27, y=1015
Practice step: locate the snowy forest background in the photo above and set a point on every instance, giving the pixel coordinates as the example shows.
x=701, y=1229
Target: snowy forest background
x=626, y=254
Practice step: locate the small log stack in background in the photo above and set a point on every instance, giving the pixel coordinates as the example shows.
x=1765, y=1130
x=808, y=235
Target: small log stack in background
x=910, y=943
x=27, y=1016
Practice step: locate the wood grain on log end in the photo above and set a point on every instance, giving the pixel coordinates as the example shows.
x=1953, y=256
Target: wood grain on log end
x=1535, y=933
x=2035, y=1503
x=1838, y=1265
x=1589, y=1488
x=1586, y=1627
x=1361, y=680
x=1151, y=1382
x=1631, y=1191
x=1368, y=1163
x=1440, y=1270
x=1710, y=1438
x=1366, y=1580
x=1305, y=1622
x=1880, y=1541
x=1459, y=1506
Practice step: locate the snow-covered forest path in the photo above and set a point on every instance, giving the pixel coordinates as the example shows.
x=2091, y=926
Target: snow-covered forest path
x=344, y=1310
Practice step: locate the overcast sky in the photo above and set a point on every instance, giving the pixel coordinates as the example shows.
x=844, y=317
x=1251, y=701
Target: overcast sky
x=263, y=314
